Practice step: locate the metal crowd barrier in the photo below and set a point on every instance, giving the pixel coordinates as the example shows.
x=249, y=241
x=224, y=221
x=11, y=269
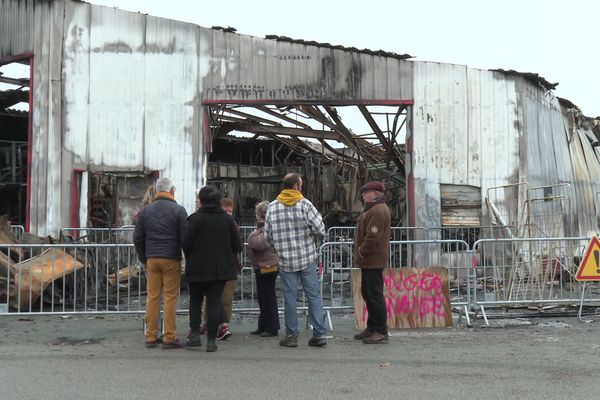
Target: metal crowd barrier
x=90, y=278
x=527, y=271
x=17, y=230
x=346, y=233
x=71, y=278
x=107, y=278
x=245, y=230
x=471, y=234
x=122, y=234
x=468, y=234
x=337, y=261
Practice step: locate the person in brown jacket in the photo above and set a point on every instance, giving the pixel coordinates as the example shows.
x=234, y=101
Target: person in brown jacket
x=371, y=251
x=264, y=261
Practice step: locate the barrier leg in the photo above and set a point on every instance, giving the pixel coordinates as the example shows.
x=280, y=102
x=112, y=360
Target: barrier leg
x=483, y=314
x=587, y=321
x=328, y=316
x=466, y=309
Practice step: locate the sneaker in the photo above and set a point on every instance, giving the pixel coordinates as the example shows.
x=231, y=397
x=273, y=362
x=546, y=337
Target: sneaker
x=267, y=334
x=203, y=328
x=223, y=332
x=317, y=342
x=193, y=340
x=376, y=338
x=175, y=344
x=150, y=344
x=289, y=341
x=363, y=335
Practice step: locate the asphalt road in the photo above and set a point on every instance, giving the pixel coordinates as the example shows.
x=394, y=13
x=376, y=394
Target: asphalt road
x=105, y=358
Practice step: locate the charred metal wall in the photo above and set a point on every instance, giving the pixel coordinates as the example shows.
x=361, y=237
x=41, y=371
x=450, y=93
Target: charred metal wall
x=486, y=129
x=121, y=91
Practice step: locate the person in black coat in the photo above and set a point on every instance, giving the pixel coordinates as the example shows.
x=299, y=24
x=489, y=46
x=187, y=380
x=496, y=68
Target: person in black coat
x=210, y=241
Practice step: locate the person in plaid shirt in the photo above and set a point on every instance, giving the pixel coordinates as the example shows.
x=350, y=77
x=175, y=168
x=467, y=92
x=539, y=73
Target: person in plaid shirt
x=292, y=226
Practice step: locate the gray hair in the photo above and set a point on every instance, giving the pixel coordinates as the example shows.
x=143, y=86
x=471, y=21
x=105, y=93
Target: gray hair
x=164, y=185
x=260, y=209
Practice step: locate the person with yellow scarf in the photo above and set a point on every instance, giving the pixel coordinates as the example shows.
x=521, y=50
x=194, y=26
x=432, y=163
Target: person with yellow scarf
x=293, y=226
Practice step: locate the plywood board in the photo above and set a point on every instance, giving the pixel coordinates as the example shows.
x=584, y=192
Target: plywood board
x=414, y=298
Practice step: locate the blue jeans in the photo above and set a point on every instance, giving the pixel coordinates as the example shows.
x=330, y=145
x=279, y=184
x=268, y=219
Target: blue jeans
x=310, y=283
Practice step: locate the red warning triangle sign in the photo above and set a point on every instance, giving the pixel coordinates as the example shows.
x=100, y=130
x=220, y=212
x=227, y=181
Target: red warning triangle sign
x=589, y=269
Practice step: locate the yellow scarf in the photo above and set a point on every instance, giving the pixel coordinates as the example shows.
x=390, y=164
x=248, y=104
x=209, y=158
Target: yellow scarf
x=164, y=195
x=289, y=197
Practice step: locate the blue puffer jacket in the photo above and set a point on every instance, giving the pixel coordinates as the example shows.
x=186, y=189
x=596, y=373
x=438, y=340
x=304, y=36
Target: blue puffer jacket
x=160, y=229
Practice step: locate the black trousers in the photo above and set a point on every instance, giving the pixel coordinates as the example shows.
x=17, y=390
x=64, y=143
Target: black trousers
x=372, y=292
x=212, y=290
x=268, y=319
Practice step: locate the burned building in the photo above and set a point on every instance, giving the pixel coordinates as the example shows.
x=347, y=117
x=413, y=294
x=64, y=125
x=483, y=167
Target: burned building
x=118, y=98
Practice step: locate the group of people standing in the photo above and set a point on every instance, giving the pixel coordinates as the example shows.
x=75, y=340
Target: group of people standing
x=283, y=243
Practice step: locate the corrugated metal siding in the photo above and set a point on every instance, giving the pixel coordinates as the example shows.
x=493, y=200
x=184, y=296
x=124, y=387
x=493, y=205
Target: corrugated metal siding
x=133, y=87
x=465, y=132
x=17, y=19
x=245, y=68
x=117, y=81
x=439, y=135
x=545, y=158
x=131, y=98
x=171, y=102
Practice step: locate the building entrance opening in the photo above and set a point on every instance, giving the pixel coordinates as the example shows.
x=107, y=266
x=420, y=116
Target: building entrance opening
x=15, y=78
x=336, y=147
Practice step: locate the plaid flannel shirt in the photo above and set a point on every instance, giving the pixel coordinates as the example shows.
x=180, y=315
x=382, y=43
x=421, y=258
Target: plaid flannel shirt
x=292, y=231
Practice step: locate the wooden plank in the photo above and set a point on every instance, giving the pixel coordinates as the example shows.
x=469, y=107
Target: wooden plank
x=415, y=298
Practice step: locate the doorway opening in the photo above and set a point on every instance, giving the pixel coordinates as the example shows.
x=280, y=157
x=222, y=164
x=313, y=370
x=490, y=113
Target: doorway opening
x=335, y=147
x=15, y=137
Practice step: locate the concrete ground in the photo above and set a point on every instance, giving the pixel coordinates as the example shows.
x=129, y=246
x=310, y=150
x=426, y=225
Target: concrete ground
x=79, y=357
